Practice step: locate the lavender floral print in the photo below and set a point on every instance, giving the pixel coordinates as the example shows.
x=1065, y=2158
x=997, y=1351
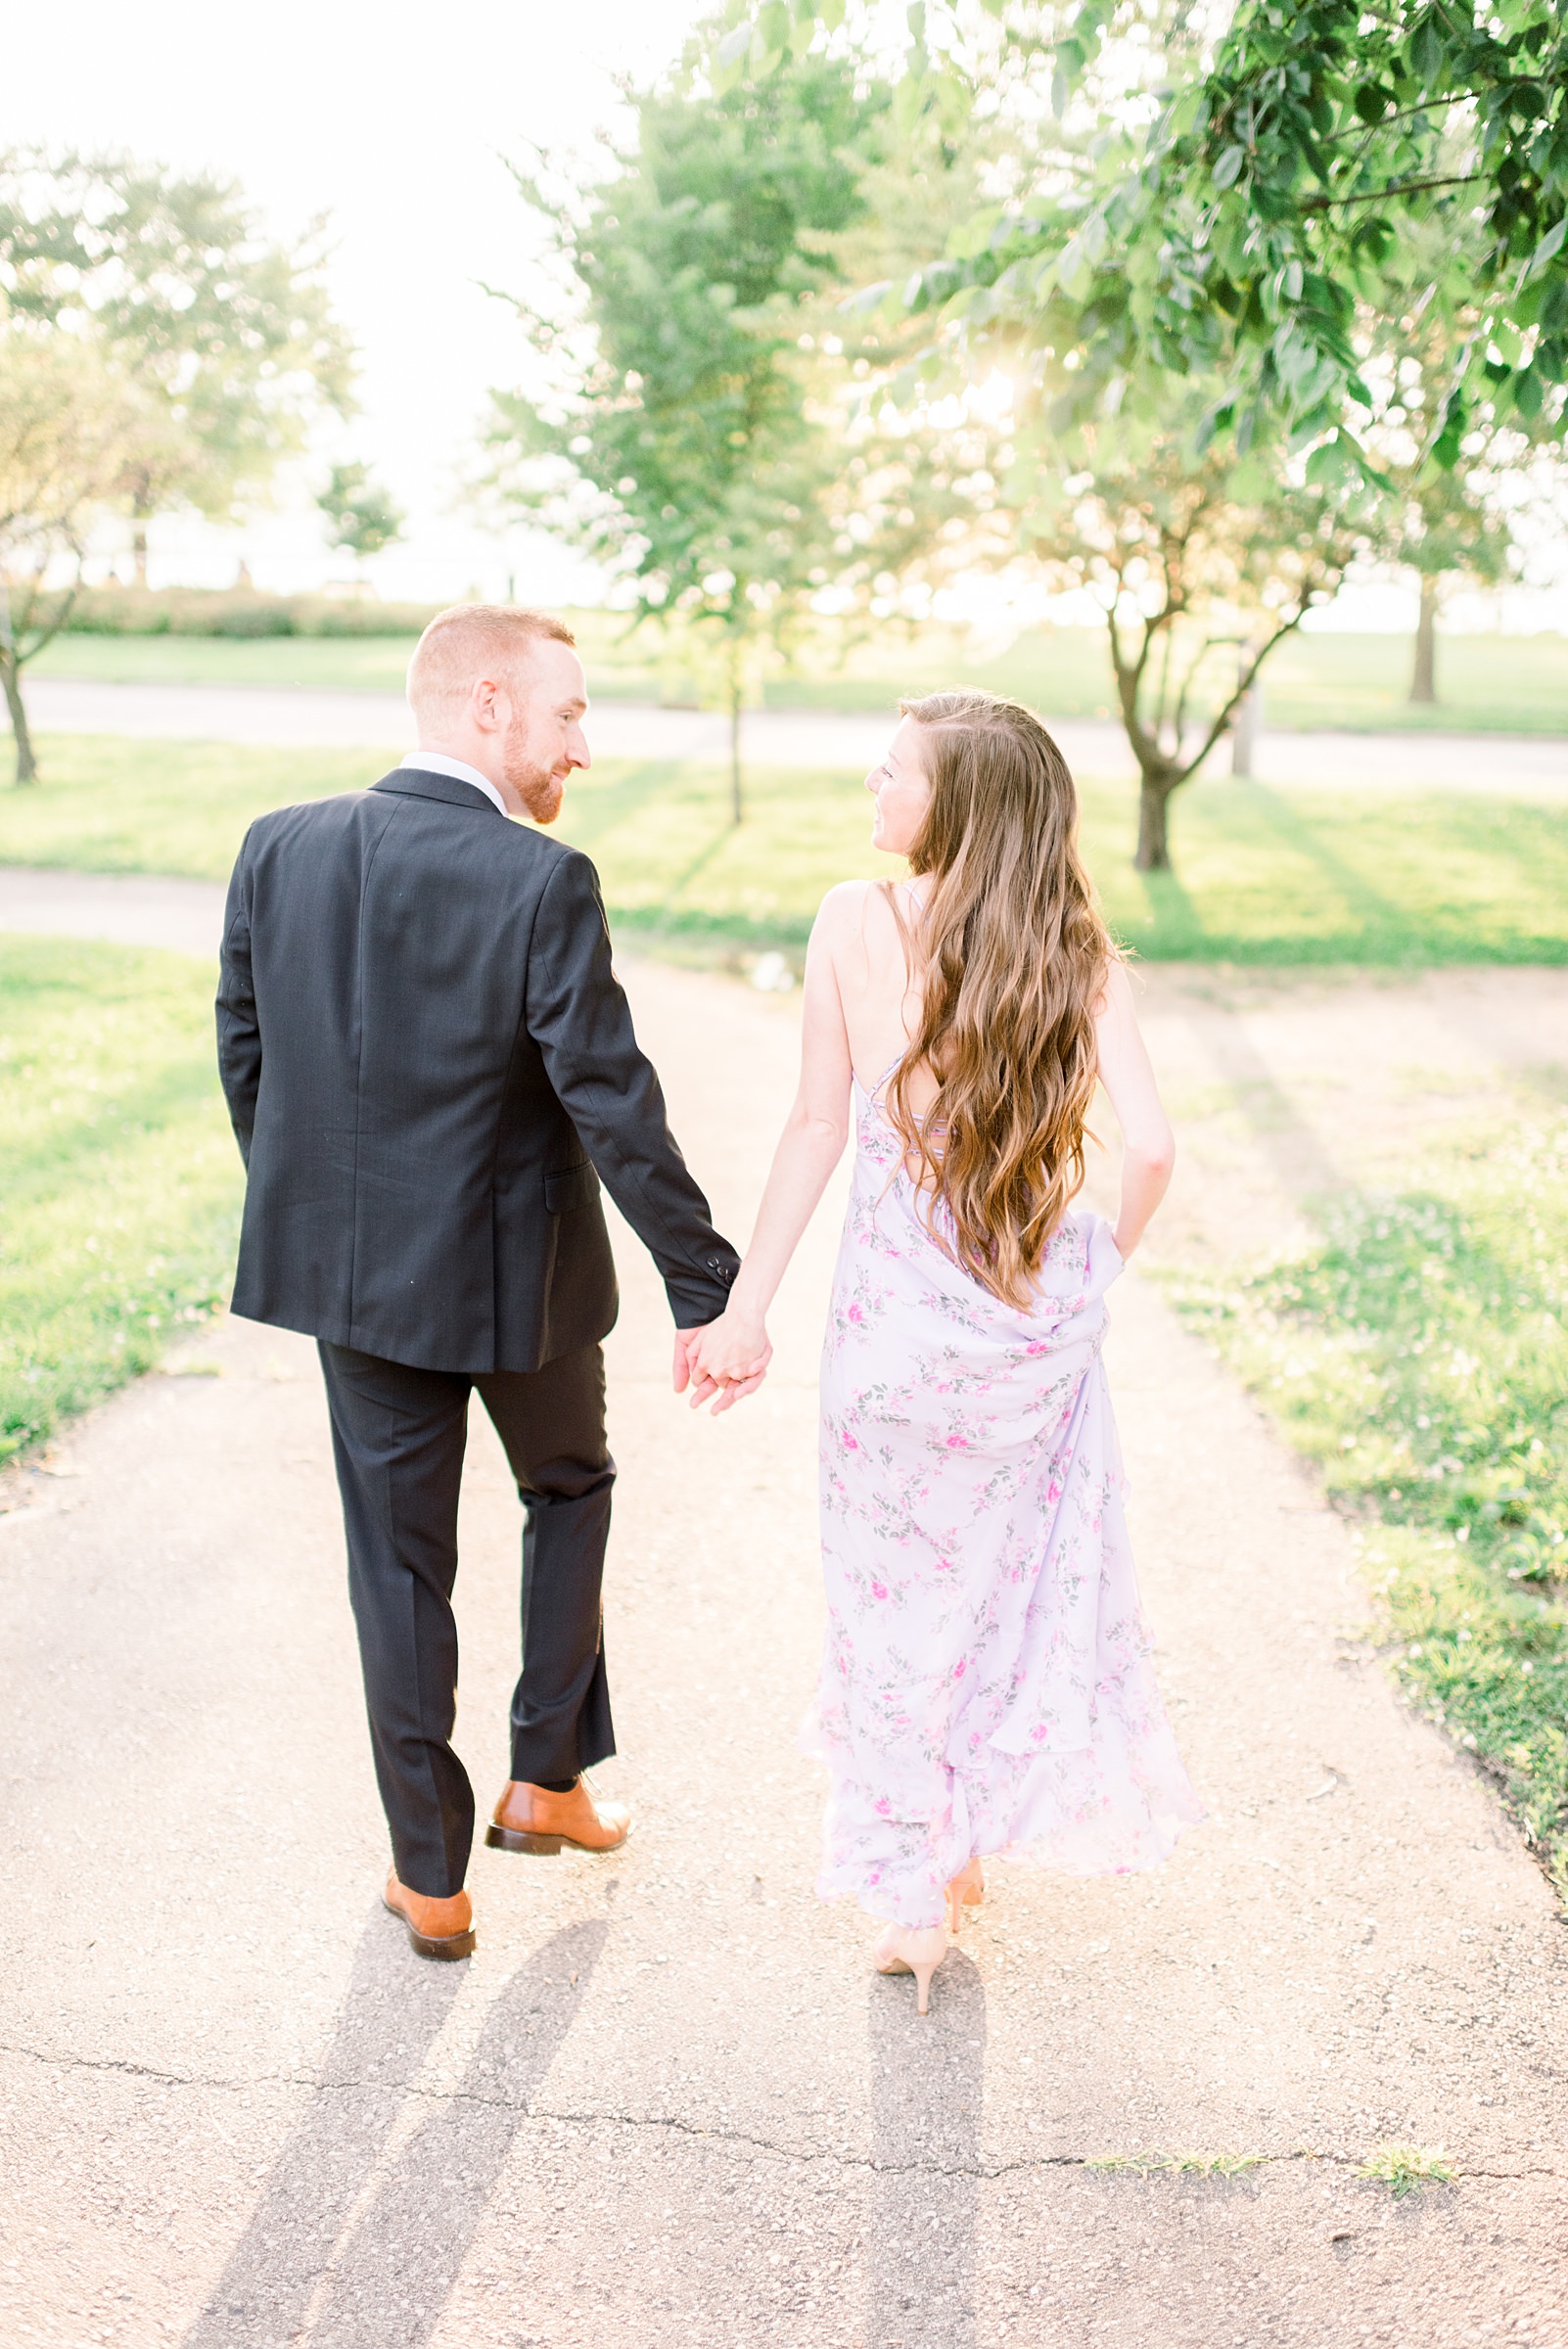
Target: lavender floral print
x=986, y=1685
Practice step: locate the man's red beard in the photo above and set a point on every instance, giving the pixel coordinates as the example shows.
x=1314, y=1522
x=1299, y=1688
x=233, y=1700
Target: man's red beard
x=540, y=790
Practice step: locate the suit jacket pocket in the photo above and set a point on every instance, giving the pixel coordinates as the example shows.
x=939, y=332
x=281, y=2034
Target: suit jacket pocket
x=571, y=1187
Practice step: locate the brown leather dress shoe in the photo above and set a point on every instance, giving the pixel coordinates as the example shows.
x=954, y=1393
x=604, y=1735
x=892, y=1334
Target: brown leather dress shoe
x=530, y=1819
x=436, y=1928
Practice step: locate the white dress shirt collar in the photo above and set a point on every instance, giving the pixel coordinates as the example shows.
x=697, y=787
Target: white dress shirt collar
x=436, y=762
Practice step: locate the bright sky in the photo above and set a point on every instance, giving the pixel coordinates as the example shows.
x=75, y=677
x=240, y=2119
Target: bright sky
x=392, y=120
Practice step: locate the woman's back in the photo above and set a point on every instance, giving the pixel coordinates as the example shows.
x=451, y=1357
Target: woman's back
x=868, y=929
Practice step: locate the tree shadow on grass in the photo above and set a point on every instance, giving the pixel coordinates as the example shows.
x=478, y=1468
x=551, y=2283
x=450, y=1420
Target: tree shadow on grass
x=927, y=2091
x=394, y=2276
x=699, y=865
x=1173, y=927
x=1385, y=928
x=595, y=810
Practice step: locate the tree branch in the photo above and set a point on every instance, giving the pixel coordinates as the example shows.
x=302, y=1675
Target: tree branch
x=1405, y=187
x=1244, y=683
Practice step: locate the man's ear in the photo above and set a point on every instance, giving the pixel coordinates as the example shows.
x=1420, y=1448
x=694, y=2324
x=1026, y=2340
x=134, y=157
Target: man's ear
x=483, y=703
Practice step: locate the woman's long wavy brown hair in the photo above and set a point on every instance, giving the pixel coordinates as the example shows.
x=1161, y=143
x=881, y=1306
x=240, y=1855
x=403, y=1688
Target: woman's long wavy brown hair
x=1012, y=956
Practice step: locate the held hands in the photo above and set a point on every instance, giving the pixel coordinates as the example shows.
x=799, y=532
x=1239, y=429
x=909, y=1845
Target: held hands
x=727, y=1359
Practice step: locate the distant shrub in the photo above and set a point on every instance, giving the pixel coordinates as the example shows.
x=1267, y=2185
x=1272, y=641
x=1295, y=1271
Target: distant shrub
x=117, y=611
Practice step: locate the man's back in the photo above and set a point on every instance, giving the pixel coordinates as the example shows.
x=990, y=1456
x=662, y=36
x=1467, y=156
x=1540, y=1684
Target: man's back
x=419, y=1033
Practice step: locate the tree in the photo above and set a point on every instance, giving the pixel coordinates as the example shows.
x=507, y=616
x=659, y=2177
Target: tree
x=63, y=419
x=361, y=517
x=1202, y=567
x=1440, y=521
x=689, y=440
x=227, y=337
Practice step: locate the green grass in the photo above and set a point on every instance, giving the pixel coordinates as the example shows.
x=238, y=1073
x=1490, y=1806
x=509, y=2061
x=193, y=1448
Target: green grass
x=119, y=1181
x=1406, y=2169
x=1420, y=1357
x=1177, y=2165
x=1489, y=684
x=109, y=805
x=342, y=664
x=354, y=663
x=1264, y=876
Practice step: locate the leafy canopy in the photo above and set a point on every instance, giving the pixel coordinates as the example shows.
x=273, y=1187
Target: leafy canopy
x=1236, y=225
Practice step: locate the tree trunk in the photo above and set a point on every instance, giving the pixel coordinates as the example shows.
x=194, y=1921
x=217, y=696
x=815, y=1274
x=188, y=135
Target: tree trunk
x=1154, y=847
x=1423, y=681
x=26, y=763
x=737, y=801
x=1246, y=726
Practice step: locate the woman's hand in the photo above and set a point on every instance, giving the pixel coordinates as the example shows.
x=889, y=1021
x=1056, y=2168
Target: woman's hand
x=728, y=1359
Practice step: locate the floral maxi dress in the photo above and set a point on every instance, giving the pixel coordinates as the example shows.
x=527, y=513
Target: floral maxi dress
x=985, y=1683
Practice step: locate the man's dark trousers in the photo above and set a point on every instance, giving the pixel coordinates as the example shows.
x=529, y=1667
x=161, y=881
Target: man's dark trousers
x=398, y=1435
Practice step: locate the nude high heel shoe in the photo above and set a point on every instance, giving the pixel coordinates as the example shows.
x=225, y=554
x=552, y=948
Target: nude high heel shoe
x=917, y=1949
x=966, y=1891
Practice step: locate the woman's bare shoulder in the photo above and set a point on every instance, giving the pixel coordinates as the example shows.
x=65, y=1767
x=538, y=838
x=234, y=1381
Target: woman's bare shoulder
x=847, y=907
x=1116, y=999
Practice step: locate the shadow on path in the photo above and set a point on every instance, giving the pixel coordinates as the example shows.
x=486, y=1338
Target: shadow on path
x=1302, y=1165
x=927, y=2086
x=397, y=2270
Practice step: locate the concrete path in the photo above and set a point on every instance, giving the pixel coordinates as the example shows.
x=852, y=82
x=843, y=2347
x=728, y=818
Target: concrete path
x=667, y=2106
x=130, y=909
x=1518, y=765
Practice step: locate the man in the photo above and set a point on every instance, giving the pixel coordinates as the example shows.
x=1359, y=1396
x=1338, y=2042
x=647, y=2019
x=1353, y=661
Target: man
x=429, y=1066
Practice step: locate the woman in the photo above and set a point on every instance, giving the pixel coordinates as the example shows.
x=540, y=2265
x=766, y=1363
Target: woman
x=984, y=1686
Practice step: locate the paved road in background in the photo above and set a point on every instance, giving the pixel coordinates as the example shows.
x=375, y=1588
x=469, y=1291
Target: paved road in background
x=1517, y=765
x=131, y=909
x=668, y=2105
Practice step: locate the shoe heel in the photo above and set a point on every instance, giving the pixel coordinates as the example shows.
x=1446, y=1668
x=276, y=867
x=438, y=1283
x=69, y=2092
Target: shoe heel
x=456, y=1945
x=511, y=1839
x=922, y=1975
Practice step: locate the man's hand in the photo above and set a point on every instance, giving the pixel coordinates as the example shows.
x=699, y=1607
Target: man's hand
x=725, y=1377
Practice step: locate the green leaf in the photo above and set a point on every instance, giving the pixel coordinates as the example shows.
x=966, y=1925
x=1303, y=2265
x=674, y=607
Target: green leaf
x=1426, y=52
x=1227, y=171
x=1549, y=246
x=1325, y=466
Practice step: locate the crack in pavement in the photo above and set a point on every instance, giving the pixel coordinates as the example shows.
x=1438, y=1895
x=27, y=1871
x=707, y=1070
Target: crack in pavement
x=419, y=2093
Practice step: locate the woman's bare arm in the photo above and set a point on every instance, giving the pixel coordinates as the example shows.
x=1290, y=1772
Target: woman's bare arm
x=1148, y=1147
x=809, y=1149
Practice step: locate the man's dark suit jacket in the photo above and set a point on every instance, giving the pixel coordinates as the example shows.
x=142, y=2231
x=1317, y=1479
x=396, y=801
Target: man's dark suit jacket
x=426, y=1055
